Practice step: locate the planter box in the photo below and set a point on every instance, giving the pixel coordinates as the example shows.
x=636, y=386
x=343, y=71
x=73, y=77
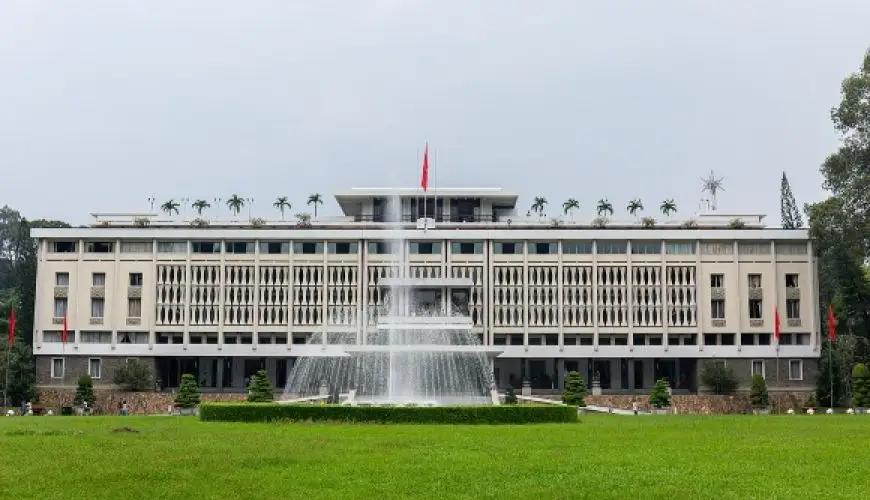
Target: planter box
x=661, y=411
x=761, y=411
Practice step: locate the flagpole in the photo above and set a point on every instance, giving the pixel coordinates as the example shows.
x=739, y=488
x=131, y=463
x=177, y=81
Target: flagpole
x=435, y=181
x=6, y=384
x=831, y=368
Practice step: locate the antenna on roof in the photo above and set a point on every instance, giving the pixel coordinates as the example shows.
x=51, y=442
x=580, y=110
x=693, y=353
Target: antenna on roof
x=713, y=186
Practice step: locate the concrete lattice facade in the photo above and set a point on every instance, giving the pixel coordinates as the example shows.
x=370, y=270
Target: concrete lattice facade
x=624, y=303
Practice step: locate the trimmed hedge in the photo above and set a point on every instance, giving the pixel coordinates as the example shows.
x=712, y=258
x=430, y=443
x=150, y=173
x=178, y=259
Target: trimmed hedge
x=501, y=414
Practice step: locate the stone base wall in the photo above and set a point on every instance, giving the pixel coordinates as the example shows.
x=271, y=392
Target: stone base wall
x=139, y=403
x=704, y=404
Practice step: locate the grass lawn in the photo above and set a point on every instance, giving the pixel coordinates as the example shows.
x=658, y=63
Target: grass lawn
x=672, y=457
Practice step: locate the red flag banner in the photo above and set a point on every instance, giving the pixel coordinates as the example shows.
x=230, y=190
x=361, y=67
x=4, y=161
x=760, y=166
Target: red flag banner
x=11, y=335
x=776, y=324
x=63, y=332
x=424, y=177
x=832, y=324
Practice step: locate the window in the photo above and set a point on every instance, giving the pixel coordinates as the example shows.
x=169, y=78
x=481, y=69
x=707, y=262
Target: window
x=172, y=247
x=60, y=307
x=57, y=367
x=791, y=248
x=507, y=248
x=754, y=280
x=135, y=279
x=754, y=248
x=755, y=309
x=274, y=247
x=542, y=247
x=611, y=247
x=717, y=248
x=97, y=308
x=646, y=247
x=757, y=367
x=136, y=247
x=96, y=338
x=308, y=247
x=793, y=308
x=238, y=247
x=795, y=369
x=61, y=279
x=717, y=309
x=64, y=247
x=466, y=247
x=134, y=308
x=685, y=248
x=717, y=280
x=205, y=247
x=791, y=281
x=425, y=247
x=576, y=247
x=381, y=247
x=99, y=247
x=94, y=367
x=98, y=279
x=132, y=338
x=343, y=247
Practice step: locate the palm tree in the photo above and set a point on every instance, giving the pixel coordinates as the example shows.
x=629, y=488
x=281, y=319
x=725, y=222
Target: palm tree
x=199, y=206
x=570, y=205
x=282, y=204
x=170, y=206
x=604, y=207
x=635, y=206
x=668, y=207
x=315, y=199
x=235, y=204
x=539, y=204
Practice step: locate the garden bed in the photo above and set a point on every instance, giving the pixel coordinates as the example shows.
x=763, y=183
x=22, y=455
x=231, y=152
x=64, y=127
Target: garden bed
x=502, y=414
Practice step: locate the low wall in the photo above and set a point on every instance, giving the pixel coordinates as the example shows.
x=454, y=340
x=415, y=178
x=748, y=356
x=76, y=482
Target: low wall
x=139, y=403
x=703, y=404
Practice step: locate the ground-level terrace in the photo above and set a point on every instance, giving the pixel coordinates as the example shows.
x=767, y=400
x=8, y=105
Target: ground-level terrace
x=544, y=375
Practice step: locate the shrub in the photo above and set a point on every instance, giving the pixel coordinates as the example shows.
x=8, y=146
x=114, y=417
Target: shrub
x=575, y=389
x=495, y=414
x=142, y=221
x=134, y=376
x=199, y=222
x=758, y=393
x=648, y=222
x=510, y=397
x=860, y=386
x=736, y=224
x=188, y=392
x=260, y=390
x=599, y=222
x=258, y=222
x=690, y=224
x=659, y=397
x=84, y=391
x=719, y=378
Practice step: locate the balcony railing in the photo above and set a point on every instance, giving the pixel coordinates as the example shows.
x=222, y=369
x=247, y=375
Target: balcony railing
x=412, y=218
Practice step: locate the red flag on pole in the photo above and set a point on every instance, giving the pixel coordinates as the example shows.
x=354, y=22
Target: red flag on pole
x=832, y=323
x=776, y=323
x=424, y=178
x=11, y=335
x=63, y=332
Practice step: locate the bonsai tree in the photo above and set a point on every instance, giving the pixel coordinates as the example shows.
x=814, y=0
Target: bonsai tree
x=188, y=392
x=510, y=397
x=659, y=397
x=575, y=389
x=719, y=378
x=758, y=393
x=860, y=386
x=84, y=391
x=134, y=376
x=260, y=390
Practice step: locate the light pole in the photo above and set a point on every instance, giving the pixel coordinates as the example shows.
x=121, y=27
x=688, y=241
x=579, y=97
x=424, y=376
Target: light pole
x=151, y=200
x=250, y=206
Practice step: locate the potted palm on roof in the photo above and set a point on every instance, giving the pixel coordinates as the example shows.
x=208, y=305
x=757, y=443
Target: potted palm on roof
x=170, y=206
x=668, y=207
x=569, y=206
x=282, y=204
x=604, y=210
x=235, y=204
x=315, y=199
x=539, y=205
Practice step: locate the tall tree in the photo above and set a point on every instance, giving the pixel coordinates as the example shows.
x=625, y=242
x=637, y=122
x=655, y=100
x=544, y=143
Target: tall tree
x=282, y=204
x=789, y=210
x=235, y=204
x=315, y=199
x=539, y=204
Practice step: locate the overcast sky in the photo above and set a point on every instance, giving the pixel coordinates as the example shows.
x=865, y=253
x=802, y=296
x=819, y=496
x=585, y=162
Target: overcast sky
x=103, y=103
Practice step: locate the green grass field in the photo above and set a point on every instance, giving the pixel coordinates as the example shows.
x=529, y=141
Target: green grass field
x=671, y=457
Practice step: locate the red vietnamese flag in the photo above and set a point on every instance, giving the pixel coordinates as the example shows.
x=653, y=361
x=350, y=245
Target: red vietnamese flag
x=832, y=332
x=424, y=178
x=63, y=332
x=776, y=324
x=11, y=335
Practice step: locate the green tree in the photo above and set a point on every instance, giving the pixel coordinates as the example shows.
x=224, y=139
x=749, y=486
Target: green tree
x=539, y=204
x=510, y=397
x=668, y=207
x=22, y=372
x=282, y=205
x=860, y=386
x=570, y=205
x=789, y=210
x=758, y=392
x=235, y=204
x=84, y=391
x=315, y=199
x=660, y=397
x=720, y=379
x=170, y=206
x=604, y=208
x=634, y=206
x=260, y=389
x=188, y=392
x=834, y=359
x=575, y=389
x=134, y=376
x=200, y=206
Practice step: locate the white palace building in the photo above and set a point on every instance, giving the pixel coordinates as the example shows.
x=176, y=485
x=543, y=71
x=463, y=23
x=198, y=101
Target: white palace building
x=621, y=301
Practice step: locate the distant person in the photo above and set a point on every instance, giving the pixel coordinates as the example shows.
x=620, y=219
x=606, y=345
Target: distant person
x=125, y=410
x=634, y=407
x=23, y=408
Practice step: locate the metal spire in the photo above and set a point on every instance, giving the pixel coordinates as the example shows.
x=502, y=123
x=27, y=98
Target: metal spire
x=713, y=186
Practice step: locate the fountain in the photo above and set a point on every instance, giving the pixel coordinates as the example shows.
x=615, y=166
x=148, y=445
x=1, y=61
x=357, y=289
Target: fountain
x=422, y=351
